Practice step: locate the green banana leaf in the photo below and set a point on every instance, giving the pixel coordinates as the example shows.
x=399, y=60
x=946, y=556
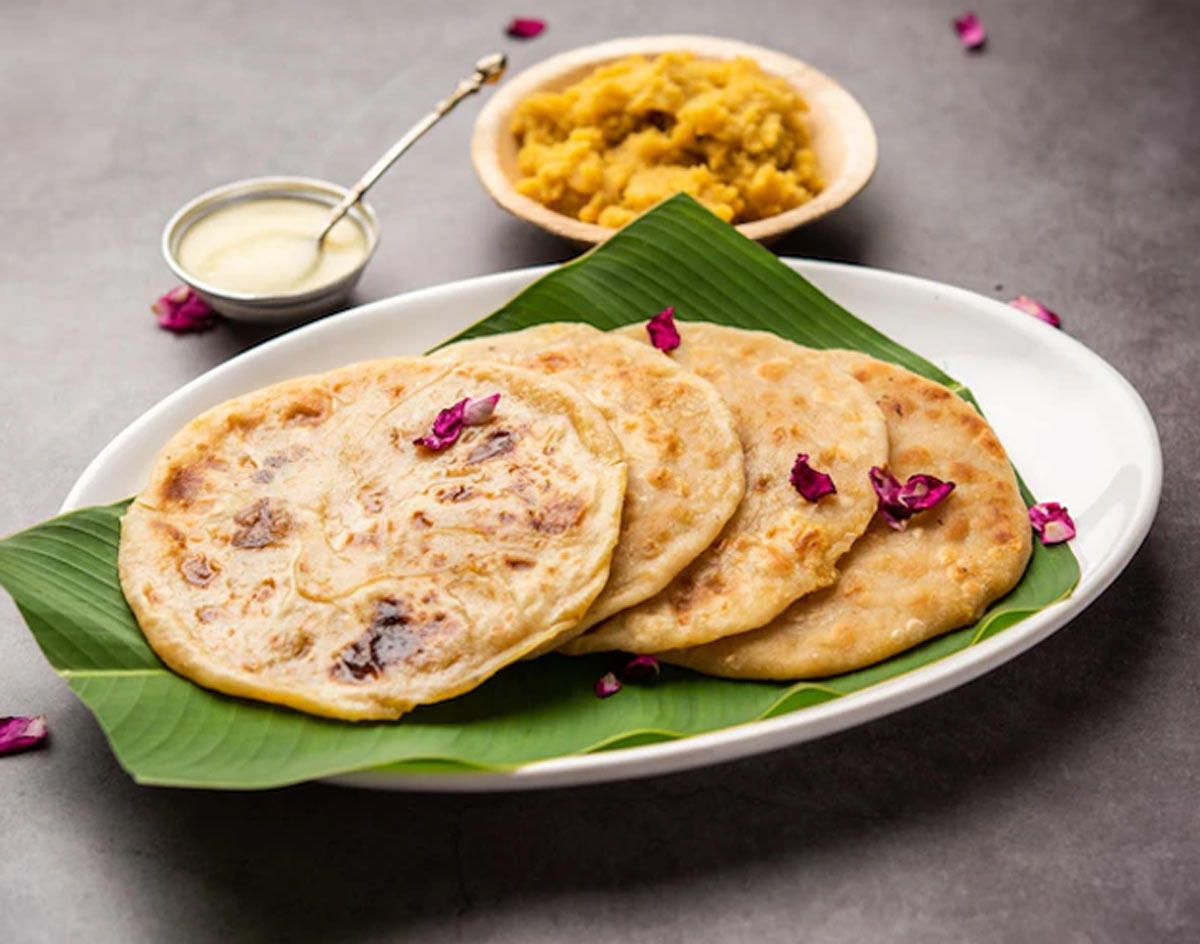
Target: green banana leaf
x=166, y=730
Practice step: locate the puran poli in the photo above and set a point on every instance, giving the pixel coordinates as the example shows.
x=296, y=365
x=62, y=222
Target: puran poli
x=685, y=465
x=900, y=588
x=293, y=545
x=786, y=399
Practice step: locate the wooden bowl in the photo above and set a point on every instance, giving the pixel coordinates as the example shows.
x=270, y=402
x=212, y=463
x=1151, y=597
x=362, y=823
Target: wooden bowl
x=841, y=133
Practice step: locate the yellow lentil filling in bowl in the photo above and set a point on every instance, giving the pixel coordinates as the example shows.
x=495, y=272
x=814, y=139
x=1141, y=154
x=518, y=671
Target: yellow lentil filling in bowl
x=637, y=130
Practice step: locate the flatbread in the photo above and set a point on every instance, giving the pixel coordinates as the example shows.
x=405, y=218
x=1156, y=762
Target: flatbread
x=900, y=588
x=786, y=399
x=685, y=460
x=293, y=545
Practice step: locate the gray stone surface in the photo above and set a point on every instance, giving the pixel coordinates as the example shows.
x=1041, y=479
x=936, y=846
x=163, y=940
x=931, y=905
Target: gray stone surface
x=1054, y=800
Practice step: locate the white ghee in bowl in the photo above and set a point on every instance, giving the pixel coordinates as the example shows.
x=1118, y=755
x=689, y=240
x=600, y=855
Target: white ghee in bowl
x=268, y=246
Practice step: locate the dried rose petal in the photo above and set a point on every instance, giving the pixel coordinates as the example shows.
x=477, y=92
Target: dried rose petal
x=887, y=491
x=898, y=503
x=479, y=411
x=524, y=27
x=640, y=669
x=809, y=482
x=20, y=734
x=1031, y=306
x=923, y=491
x=661, y=328
x=970, y=31
x=607, y=685
x=182, y=310
x=448, y=425
x=1052, y=523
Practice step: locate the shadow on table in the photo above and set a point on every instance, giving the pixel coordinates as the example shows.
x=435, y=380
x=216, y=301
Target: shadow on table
x=843, y=236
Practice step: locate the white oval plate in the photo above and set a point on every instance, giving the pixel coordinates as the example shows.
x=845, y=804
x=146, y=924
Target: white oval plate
x=1076, y=429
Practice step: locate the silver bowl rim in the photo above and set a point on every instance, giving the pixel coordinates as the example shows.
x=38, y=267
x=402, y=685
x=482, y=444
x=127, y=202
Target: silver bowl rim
x=241, y=189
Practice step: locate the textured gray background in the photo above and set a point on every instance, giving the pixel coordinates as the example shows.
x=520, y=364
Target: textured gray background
x=1054, y=800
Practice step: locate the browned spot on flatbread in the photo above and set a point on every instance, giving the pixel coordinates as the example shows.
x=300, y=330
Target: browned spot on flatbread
x=496, y=443
x=958, y=528
x=198, y=570
x=393, y=635
x=182, y=484
x=285, y=644
x=460, y=493
x=243, y=422
x=557, y=517
x=553, y=361
x=962, y=473
x=172, y=533
x=309, y=409
x=806, y=541
x=372, y=499
x=991, y=445
x=262, y=523
x=683, y=592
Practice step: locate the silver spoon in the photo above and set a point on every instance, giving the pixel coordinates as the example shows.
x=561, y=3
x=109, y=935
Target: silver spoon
x=489, y=69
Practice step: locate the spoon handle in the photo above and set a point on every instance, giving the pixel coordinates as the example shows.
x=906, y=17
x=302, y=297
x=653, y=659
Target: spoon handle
x=487, y=70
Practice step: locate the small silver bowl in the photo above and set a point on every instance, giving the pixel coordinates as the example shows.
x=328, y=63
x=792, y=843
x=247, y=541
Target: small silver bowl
x=242, y=306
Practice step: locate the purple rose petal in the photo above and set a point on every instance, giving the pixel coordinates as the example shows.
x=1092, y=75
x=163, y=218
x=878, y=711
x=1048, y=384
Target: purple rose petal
x=447, y=427
x=525, y=27
x=181, y=310
x=640, y=669
x=809, y=482
x=607, y=685
x=1031, y=306
x=661, y=328
x=20, y=734
x=449, y=424
x=898, y=503
x=970, y=31
x=1052, y=523
x=923, y=491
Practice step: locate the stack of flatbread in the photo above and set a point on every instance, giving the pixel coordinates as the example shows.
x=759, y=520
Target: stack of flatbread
x=393, y=533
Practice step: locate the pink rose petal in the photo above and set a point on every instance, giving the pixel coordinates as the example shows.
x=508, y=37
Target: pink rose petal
x=809, y=482
x=479, y=411
x=607, y=685
x=181, y=310
x=1052, y=523
x=923, y=491
x=20, y=734
x=1031, y=306
x=898, y=503
x=640, y=669
x=525, y=27
x=449, y=423
x=661, y=328
x=970, y=31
